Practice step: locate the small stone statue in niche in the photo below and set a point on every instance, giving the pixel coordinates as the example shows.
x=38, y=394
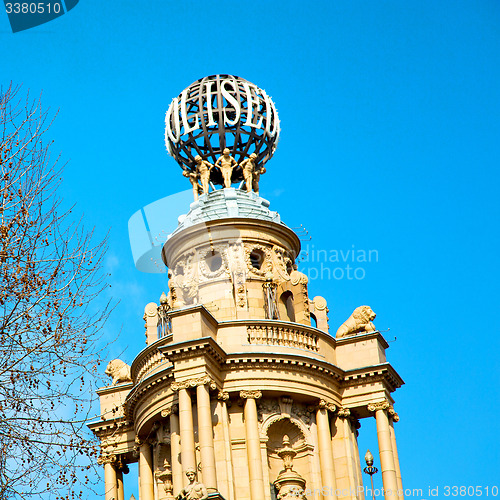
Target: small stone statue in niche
x=226, y=163
x=194, y=490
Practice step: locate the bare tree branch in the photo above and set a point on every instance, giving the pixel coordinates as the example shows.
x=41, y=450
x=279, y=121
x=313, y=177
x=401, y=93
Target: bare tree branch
x=50, y=272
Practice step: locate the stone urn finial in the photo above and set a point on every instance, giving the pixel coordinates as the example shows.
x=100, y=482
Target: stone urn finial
x=287, y=453
x=289, y=484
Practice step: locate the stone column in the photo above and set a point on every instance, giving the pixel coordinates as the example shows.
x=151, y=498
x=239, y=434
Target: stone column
x=110, y=484
x=385, y=449
x=175, y=448
x=344, y=455
x=359, y=474
x=146, y=481
x=205, y=433
x=395, y=418
x=119, y=485
x=188, y=457
x=325, y=448
x=253, y=444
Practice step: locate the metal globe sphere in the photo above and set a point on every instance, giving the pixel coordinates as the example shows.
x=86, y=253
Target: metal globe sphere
x=218, y=112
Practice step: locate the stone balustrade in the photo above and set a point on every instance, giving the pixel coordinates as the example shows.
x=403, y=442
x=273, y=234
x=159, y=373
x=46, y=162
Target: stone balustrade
x=268, y=334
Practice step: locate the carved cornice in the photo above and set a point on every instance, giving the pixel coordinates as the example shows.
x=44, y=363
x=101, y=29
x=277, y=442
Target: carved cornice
x=173, y=409
x=105, y=428
x=194, y=382
x=381, y=405
x=383, y=373
x=204, y=346
x=250, y=394
x=293, y=362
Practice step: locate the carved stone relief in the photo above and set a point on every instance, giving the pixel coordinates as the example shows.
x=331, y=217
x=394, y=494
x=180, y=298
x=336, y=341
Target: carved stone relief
x=238, y=272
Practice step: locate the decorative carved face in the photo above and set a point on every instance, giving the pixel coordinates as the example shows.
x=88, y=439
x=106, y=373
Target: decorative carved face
x=191, y=475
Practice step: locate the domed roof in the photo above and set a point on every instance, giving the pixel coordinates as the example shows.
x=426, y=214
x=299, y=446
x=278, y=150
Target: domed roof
x=227, y=203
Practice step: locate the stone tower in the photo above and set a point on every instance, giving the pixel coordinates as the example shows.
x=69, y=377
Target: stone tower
x=242, y=392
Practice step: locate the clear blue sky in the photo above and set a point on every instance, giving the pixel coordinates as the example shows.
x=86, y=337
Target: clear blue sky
x=390, y=141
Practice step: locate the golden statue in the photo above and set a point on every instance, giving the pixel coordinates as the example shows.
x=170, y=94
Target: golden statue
x=194, y=490
x=248, y=167
x=226, y=163
x=193, y=179
x=251, y=175
x=203, y=169
x=256, y=178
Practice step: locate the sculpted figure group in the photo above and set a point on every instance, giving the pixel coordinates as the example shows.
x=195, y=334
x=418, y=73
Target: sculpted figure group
x=226, y=164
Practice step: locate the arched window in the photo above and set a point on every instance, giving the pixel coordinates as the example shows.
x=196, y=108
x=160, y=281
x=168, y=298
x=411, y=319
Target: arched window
x=286, y=308
x=314, y=321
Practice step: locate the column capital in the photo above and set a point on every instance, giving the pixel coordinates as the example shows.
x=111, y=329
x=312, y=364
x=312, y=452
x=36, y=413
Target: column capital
x=250, y=394
x=173, y=409
x=223, y=395
x=344, y=412
x=193, y=382
x=325, y=405
x=393, y=414
x=107, y=458
x=381, y=405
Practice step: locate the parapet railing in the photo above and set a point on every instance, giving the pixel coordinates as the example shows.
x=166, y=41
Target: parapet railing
x=297, y=337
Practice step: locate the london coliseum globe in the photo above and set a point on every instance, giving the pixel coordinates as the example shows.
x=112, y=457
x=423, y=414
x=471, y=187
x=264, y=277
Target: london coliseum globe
x=217, y=112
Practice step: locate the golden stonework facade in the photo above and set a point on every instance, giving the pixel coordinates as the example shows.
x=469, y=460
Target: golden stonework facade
x=244, y=391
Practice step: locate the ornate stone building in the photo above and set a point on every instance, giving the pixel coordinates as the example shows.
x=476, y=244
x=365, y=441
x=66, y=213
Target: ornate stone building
x=242, y=384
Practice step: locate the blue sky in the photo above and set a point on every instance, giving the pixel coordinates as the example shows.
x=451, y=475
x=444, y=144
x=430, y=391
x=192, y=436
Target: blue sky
x=390, y=133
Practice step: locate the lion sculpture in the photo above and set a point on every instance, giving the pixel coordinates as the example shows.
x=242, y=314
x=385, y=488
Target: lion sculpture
x=119, y=371
x=360, y=321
